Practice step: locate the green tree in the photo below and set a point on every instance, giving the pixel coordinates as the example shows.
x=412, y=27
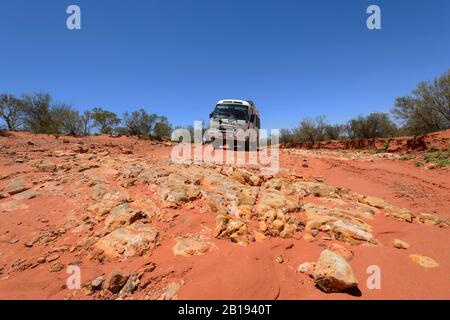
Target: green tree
x=67, y=120
x=375, y=125
x=139, y=123
x=38, y=118
x=162, y=129
x=333, y=132
x=427, y=109
x=106, y=121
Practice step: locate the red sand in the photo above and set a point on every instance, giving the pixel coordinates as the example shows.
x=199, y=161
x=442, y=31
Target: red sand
x=230, y=271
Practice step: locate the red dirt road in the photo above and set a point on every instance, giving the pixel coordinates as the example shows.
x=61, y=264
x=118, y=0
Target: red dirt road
x=227, y=270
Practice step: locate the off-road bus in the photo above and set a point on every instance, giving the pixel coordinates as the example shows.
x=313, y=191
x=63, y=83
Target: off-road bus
x=232, y=117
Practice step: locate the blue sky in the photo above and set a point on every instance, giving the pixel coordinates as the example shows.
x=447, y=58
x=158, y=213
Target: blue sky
x=178, y=57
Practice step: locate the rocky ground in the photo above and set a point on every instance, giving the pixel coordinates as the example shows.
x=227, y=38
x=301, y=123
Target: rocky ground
x=140, y=227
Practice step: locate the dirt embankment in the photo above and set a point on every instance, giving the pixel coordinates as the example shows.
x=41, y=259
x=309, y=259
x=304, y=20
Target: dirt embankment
x=437, y=141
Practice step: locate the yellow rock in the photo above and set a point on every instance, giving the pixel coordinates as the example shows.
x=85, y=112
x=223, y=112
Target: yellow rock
x=423, y=261
x=399, y=244
x=259, y=236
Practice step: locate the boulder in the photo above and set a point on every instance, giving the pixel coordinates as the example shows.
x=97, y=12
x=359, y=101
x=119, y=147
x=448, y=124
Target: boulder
x=332, y=273
x=122, y=215
x=116, y=280
x=97, y=283
x=129, y=241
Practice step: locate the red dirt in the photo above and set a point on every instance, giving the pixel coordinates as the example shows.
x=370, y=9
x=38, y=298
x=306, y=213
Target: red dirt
x=227, y=271
x=431, y=141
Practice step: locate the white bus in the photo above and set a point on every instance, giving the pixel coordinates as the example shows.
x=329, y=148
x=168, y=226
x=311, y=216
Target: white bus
x=232, y=117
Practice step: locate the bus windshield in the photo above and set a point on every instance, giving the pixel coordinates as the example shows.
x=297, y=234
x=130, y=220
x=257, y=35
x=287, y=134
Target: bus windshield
x=231, y=111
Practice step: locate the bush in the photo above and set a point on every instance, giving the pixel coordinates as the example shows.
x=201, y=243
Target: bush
x=139, y=123
x=38, y=118
x=427, y=109
x=375, y=125
x=162, y=128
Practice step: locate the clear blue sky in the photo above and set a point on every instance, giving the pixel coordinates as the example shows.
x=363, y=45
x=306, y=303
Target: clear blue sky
x=177, y=58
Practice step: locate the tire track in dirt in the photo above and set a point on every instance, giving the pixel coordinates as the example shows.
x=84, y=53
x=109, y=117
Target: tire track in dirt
x=418, y=191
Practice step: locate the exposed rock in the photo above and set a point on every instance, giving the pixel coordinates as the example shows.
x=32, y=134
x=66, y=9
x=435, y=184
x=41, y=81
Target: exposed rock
x=342, y=251
x=332, y=273
x=351, y=232
x=116, y=280
x=106, y=201
x=374, y=202
x=56, y=267
x=52, y=257
x=129, y=241
x=46, y=166
x=424, y=261
x=131, y=285
x=171, y=291
x=190, y=245
x=308, y=237
x=399, y=244
x=220, y=225
x=28, y=244
x=307, y=268
x=400, y=213
x=80, y=149
x=246, y=177
x=179, y=194
x=319, y=189
x=259, y=236
x=246, y=198
x=272, y=200
x=434, y=220
x=288, y=231
x=16, y=185
x=97, y=283
x=122, y=215
x=235, y=229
